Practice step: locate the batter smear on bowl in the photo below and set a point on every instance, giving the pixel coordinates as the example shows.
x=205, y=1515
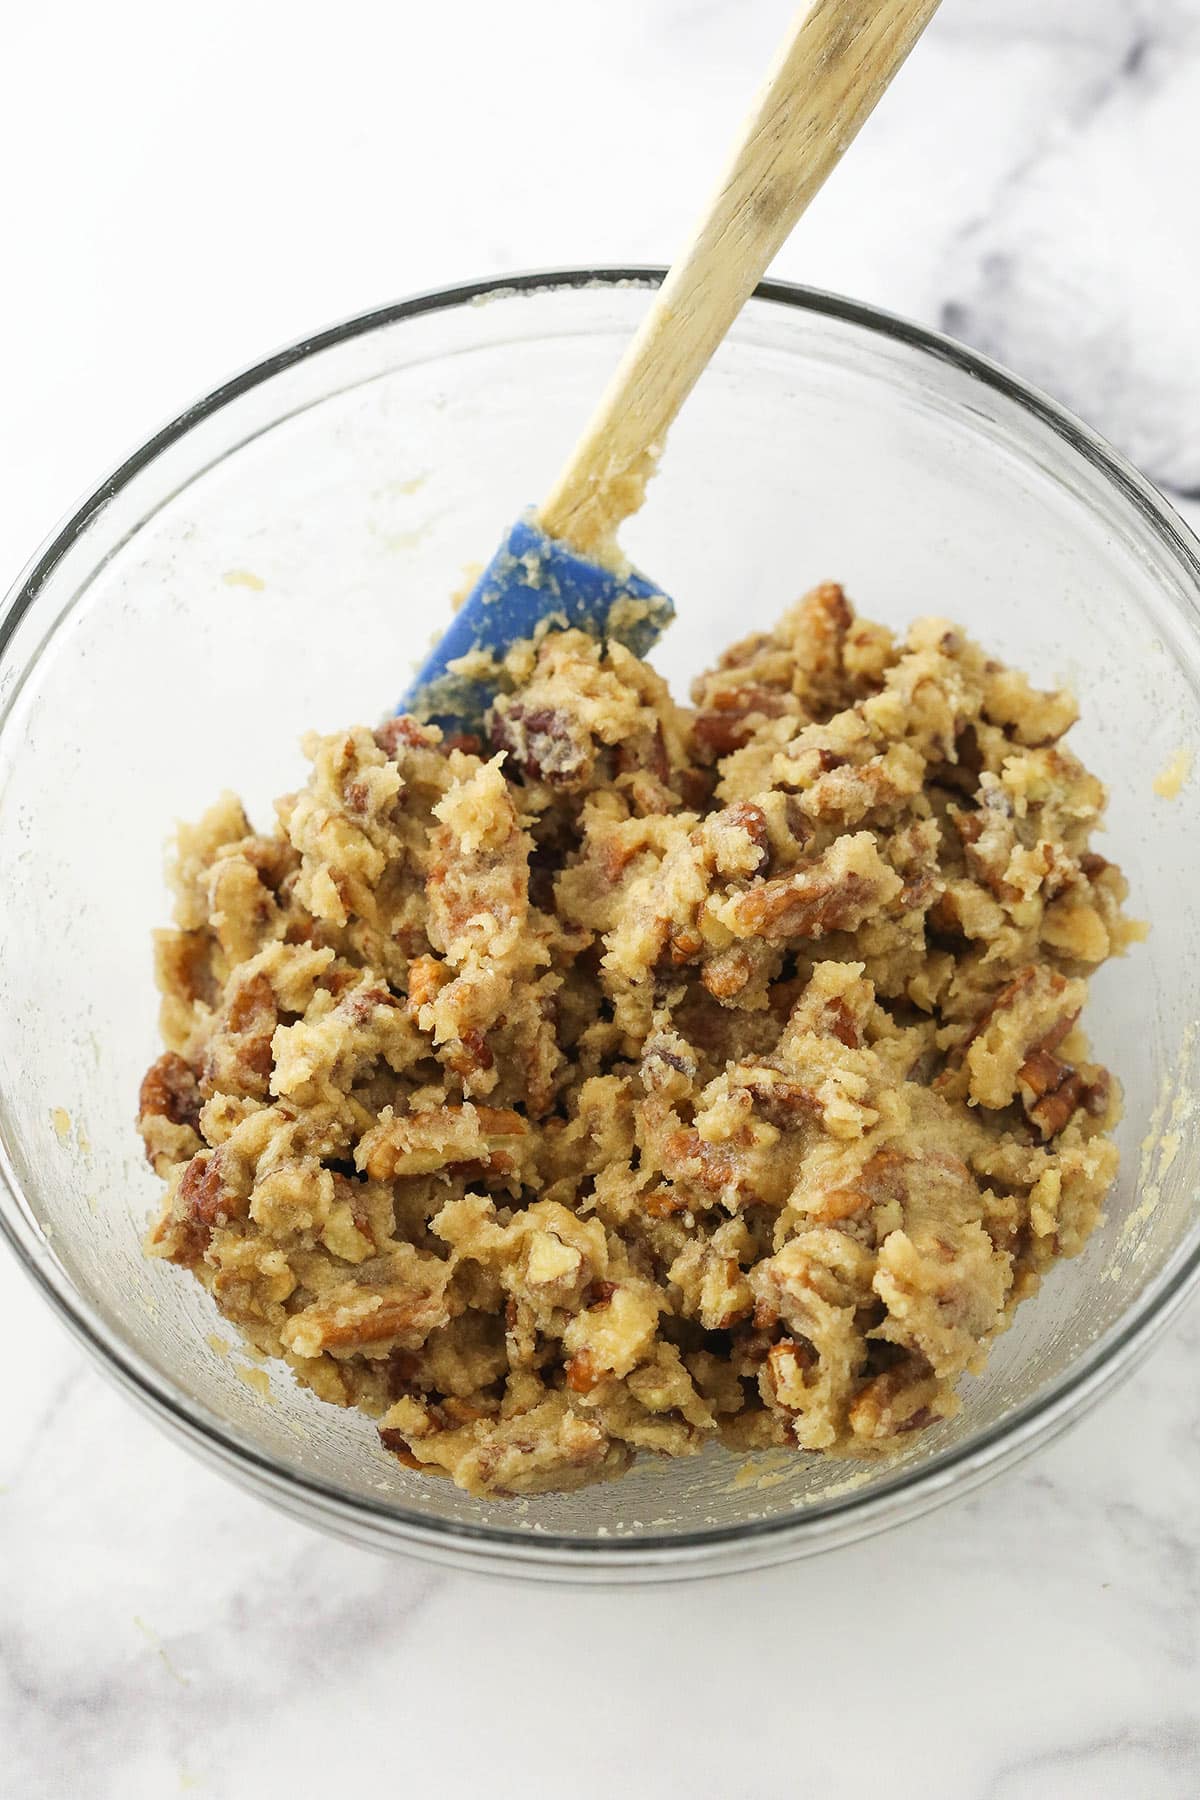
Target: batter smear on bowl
x=647, y=1076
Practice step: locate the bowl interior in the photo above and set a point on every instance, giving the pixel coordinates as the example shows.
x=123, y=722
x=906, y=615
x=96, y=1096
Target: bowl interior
x=280, y=565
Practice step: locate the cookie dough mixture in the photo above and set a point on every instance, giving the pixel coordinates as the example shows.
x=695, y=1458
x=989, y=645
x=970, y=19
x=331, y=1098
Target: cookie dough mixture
x=647, y=1077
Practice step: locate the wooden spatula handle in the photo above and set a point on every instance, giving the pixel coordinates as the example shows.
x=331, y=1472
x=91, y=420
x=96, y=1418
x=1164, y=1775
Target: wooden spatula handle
x=836, y=62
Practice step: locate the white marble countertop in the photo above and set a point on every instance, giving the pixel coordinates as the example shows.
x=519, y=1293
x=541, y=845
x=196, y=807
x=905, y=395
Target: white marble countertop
x=186, y=188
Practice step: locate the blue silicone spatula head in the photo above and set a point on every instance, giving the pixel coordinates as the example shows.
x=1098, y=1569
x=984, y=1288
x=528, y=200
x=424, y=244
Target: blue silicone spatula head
x=833, y=65
x=533, y=581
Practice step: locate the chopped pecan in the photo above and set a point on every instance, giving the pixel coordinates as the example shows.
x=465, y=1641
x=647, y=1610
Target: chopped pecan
x=665, y=1202
x=581, y=1374
x=1054, y=1091
x=917, y=1421
x=694, y=787
x=648, y=753
x=893, y=1403
x=739, y=1300
x=917, y=893
x=683, y=945
x=842, y=1203
x=745, y=816
x=836, y=891
x=469, y=1054
x=726, y=974
x=350, y=1318
x=351, y=1194
x=478, y=1168
x=826, y=611
x=1042, y=1072
x=466, y=1141
x=500, y=1121
x=798, y=821
x=786, y=1363
x=799, y=906
x=337, y=981
x=252, y=1004
x=717, y=1167
x=397, y=1443
x=403, y=733
x=732, y=715
x=361, y=1006
x=842, y=1023
x=1008, y=996
x=204, y=1202
x=661, y=1050
x=185, y=964
x=1097, y=1094
x=616, y=854
x=171, y=1091
x=544, y=742
x=778, y=1100
x=402, y=1368
x=239, y=1057
x=426, y=979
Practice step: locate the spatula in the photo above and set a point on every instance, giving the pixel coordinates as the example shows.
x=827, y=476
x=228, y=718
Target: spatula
x=562, y=564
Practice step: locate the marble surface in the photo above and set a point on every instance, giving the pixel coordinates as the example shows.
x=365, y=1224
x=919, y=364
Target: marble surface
x=190, y=186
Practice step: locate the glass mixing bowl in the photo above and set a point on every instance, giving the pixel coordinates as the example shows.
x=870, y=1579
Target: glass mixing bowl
x=276, y=558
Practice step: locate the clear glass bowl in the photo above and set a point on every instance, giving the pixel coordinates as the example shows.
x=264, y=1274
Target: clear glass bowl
x=276, y=558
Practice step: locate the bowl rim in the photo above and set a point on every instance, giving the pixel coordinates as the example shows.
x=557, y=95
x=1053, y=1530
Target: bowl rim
x=857, y=1512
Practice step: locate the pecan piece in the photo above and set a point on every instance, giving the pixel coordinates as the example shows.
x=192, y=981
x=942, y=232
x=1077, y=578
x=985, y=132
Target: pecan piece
x=842, y=1023
x=239, y=1058
x=732, y=717
x=682, y=946
x=743, y=815
x=786, y=1364
x=807, y=908
x=485, y=1139
x=1054, y=1091
x=717, y=1166
x=469, y=1054
x=361, y=1006
x=397, y=1443
x=203, y=1203
x=403, y=733
x=581, y=1374
x=664, y=1203
x=544, y=742
x=842, y=1203
x=426, y=979
x=835, y=893
x=782, y=1102
x=646, y=753
x=726, y=974
x=893, y=1403
x=171, y=1091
